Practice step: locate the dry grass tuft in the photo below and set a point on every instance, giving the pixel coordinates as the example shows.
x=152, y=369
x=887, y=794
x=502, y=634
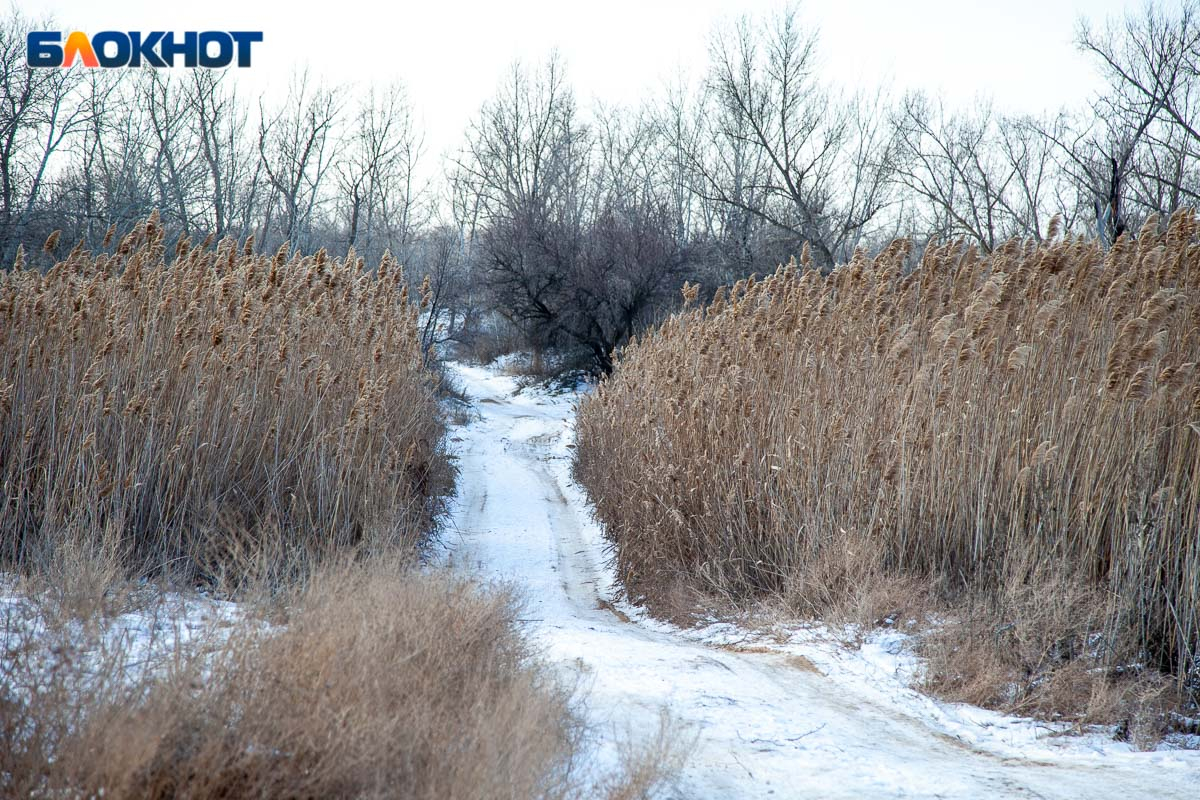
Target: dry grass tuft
x=1038, y=649
x=210, y=413
x=383, y=683
x=960, y=427
x=262, y=424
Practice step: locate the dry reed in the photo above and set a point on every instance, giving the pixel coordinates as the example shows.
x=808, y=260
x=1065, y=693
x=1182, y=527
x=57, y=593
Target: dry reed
x=979, y=423
x=210, y=412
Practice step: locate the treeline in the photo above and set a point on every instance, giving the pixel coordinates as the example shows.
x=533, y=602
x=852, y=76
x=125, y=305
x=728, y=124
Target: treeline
x=568, y=227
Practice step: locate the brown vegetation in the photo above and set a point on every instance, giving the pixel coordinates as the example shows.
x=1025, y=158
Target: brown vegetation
x=1019, y=430
x=382, y=683
x=266, y=425
x=211, y=412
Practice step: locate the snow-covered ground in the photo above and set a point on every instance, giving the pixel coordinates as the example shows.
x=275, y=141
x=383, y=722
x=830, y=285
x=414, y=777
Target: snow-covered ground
x=799, y=718
x=137, y=643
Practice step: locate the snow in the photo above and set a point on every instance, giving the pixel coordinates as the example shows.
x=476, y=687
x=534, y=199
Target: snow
x=795, y=714
x=138, y=641
x=789, y=712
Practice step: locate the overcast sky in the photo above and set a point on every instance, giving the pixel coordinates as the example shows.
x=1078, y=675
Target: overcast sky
x=451, y=53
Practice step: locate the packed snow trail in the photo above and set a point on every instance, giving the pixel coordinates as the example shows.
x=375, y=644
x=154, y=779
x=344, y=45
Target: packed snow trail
x=764, y=724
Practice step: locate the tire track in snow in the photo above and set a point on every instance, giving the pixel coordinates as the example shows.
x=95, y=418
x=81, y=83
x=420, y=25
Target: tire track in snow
x=763, y=726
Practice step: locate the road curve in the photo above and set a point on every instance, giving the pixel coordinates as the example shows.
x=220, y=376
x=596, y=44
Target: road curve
x=764, y=725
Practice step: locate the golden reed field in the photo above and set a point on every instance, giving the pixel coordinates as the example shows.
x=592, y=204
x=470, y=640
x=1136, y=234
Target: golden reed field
x=1017, y=432
x=264, y=426
x=202, y=409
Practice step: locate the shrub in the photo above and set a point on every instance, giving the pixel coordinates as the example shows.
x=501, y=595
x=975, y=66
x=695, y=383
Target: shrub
x=382, y=683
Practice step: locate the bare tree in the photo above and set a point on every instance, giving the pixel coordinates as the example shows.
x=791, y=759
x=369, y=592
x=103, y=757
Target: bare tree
x=451, y=308
x=810, y=164
x=725, y=172
x=522, y=156
x=575, y=235
x=1137, y=153
x=294, y=143
x=1037, y=191
x=948, y=162
x=177, y=165
x=232, y=173
x=87, y=193
x=40, y=110
x=382, y=203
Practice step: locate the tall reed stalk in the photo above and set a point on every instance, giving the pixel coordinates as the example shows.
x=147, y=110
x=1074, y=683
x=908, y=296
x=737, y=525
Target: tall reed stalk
x=974, y=422
x=204, y=410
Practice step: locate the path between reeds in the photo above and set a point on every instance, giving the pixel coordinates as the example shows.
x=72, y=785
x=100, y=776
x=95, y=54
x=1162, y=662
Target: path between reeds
x=764, y=724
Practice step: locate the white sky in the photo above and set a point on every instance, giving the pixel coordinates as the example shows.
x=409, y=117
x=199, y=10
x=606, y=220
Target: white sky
x=451, y=53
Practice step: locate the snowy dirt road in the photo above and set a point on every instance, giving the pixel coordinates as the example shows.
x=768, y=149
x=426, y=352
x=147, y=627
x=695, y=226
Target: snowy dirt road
x=810, y=720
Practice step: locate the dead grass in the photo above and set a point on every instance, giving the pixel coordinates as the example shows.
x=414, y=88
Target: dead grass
x=494, y=339
x=1046, y=649
x=934, y=438
x=212, y=414
x=267, y=426
x=647, y=767
x=382, y=683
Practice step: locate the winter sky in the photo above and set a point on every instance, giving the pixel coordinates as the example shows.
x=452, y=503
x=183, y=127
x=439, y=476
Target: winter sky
x=451, y=53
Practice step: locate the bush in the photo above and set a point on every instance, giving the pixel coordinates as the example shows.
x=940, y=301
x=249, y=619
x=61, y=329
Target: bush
x=214, y=415
x=382, y=683
x=970, y=424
